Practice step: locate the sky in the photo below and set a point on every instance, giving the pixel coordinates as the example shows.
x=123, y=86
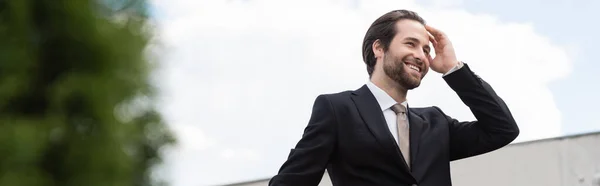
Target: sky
x=238, y=77
x=566, y=23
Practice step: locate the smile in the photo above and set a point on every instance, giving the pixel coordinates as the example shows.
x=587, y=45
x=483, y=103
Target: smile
x=411, y=66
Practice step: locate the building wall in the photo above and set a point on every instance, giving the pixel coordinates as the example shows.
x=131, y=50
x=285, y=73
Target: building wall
x=325, y=181
x=566, y=161
x=571, y=161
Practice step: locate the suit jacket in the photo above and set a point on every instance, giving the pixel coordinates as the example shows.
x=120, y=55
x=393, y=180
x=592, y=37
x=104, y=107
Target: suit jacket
x=348, y=136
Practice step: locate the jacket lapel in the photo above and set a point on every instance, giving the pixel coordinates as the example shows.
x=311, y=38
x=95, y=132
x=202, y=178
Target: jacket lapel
x=417, y=126
x=371, y=113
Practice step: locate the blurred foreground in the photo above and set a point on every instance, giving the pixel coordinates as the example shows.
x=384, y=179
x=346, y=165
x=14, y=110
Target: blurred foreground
x=76, y=101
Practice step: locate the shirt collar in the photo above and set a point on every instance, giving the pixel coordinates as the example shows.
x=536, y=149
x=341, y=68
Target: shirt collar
x=385, y=100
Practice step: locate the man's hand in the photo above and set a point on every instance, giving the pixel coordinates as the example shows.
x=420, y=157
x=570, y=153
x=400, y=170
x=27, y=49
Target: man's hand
x=445, y=58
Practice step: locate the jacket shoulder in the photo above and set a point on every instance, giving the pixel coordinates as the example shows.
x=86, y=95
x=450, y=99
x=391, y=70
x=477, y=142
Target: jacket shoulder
x=429, y=111
x=337, y=97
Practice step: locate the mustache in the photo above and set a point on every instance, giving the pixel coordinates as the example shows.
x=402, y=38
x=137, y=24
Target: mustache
x=413, y=60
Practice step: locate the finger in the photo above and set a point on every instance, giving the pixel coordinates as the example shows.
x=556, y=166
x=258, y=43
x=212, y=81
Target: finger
x=434, y=42
x=432, y=39
x=432, y=30
x=438, y=35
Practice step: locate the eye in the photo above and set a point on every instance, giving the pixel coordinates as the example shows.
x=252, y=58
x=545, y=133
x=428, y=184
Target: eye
x=426, y=49
x=411, y=44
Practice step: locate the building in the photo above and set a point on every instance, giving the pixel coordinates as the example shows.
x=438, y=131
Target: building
x=562, y=161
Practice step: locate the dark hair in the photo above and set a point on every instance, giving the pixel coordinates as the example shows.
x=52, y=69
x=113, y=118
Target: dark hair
x=384, y=29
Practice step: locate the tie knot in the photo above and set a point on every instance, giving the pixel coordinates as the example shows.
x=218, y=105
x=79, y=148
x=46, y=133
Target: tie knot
x=399, y=108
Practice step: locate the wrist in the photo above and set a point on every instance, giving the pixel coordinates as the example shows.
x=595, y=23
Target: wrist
x=451, y=66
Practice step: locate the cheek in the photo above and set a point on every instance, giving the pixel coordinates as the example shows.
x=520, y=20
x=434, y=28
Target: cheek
x=393, y=57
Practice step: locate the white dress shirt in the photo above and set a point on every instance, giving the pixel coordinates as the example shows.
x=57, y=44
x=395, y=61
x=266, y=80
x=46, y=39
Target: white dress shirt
x=386, y=102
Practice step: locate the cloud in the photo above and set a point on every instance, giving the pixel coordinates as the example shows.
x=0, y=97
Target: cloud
x=513, y=58
x=242, y=153
x=240, y=77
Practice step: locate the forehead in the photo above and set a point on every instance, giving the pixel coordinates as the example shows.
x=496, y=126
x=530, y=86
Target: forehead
x=411, y=28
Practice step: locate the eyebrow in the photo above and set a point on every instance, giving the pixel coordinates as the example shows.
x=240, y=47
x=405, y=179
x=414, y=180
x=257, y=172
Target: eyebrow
x=417, y=41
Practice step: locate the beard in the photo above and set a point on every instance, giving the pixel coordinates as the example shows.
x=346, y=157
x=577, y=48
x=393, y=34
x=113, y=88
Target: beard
x=394, y=68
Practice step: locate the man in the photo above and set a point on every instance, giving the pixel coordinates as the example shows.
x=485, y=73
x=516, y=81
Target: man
x=369, y=137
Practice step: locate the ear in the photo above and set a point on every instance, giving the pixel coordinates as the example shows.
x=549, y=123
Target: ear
x=377, y=49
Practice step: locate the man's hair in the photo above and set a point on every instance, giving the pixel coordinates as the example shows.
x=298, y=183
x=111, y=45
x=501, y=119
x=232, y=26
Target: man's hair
x=384, y=29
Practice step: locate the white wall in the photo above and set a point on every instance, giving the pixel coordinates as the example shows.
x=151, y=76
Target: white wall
x=569, y=161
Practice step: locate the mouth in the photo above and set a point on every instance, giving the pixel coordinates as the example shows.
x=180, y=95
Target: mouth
x=413, y=67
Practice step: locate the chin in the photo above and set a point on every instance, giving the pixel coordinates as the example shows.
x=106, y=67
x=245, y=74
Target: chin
x=410, y=82
x=412, y=86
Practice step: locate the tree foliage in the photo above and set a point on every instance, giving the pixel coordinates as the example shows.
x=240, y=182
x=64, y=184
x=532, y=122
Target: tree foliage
x=76, y=99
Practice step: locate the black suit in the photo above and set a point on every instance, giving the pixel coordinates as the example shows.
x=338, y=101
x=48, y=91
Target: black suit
x=348, y=136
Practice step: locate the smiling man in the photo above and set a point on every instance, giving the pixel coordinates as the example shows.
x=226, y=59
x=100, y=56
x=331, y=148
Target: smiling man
x=370, y=136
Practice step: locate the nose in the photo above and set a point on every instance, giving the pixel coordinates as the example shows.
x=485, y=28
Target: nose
x=420, y=56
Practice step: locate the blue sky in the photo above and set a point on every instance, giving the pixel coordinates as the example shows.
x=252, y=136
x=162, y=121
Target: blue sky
x=265, y=61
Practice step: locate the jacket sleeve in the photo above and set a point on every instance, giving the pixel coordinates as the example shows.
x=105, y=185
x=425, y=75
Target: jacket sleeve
x=494, y=127
x=306, y=163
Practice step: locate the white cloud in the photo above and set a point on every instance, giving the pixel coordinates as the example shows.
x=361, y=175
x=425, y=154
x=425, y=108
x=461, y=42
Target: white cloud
x=241, y=76
x=241, y=154
x=192, y=137
x=513, y=58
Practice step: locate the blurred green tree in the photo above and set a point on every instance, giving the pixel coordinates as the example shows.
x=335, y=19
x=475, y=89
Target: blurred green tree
x=76, y=99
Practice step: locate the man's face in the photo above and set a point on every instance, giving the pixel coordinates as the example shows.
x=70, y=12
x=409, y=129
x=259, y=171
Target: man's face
x=407, y=59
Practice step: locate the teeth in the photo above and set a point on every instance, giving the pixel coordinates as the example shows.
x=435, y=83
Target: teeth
x=414, y=67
